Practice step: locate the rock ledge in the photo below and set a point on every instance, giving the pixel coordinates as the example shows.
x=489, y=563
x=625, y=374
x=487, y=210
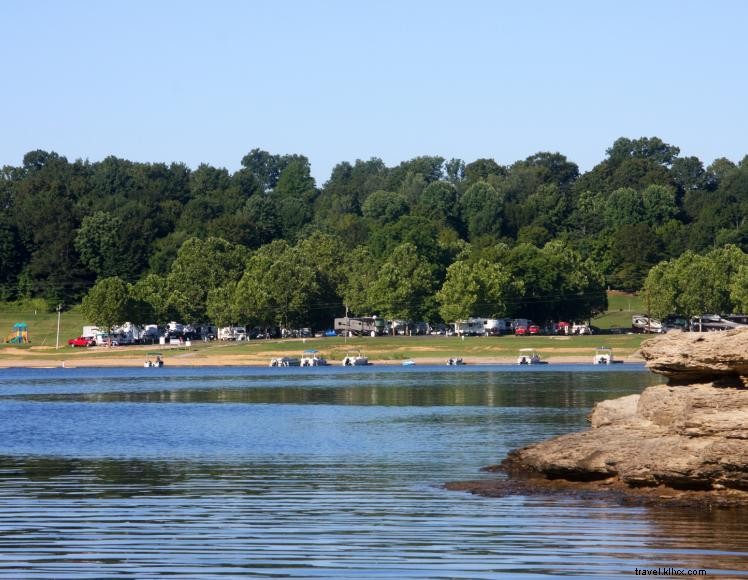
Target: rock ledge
x=686, y=441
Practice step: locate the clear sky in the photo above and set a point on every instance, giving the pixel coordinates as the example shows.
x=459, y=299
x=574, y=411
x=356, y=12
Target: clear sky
x=343, y=80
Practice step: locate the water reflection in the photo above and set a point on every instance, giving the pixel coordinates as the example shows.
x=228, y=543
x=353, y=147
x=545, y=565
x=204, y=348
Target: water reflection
x=475, y=389
x=235, y=473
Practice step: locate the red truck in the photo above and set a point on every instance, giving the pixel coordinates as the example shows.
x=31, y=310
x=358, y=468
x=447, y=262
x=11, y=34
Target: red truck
x=82, y=341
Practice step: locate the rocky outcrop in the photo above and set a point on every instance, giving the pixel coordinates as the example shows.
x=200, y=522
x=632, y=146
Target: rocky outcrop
x=690, y=434
x=695, y=357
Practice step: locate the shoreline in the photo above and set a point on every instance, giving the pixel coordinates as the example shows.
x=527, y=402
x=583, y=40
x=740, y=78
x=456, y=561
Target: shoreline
x=188, y=360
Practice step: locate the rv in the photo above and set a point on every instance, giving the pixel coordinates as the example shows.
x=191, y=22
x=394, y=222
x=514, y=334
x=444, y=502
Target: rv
x=496, y=326
x=708, y=322
x=470, y=327
x=232, y=333
x=363, y=326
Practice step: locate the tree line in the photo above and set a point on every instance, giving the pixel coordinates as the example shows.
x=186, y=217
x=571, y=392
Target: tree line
x=429, y=238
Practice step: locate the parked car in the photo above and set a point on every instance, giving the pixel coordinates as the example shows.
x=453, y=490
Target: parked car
x=533, y=329
x=82, y=341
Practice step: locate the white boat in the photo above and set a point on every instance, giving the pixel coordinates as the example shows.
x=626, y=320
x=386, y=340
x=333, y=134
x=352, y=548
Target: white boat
x=604, y=356
x=153, y=360
x=455, y=361
x=642, y=323
x=357, y=360
x=528, y=356
x=409, y=363
x=311, y=358
x=285, y=361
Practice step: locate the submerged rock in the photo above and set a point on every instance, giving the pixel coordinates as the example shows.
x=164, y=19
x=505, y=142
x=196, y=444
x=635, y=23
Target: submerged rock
x=690, y=434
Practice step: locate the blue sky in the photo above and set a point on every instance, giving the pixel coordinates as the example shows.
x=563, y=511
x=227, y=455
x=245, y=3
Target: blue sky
x=334, y=80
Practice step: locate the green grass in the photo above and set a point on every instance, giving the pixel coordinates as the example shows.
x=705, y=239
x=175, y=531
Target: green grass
x=42, y=325
x=620, y=309
x=402, y=347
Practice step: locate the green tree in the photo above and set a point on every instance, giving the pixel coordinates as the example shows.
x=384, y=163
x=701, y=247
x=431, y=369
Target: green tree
x=481, y=169
x=221, y=305
x=739, y=289
x=438, y=201
x=277, y=287
x=359, y=272
x=473, y=289
x=635, y=248
x=404, y=284
x=651, y=148
x=384, y=206
x=154, y=290
x=200, y=266
x=659, y=205
x=326, y=255
x=624, y=206
x=98, y=242
x=107, y=303
x=554, y=283
x=11, y=257
x=296, y=180
x=695, y=284
x=481, y=209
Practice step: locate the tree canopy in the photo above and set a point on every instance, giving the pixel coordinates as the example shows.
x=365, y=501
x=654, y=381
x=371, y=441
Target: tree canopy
x=183, y=240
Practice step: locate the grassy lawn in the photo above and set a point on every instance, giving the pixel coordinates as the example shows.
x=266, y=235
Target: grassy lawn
x=379, y=348
x=42, y=325
x=621, y=307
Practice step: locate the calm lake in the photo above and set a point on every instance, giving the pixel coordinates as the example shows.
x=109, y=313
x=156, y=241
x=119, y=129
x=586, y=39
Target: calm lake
x=332, y=472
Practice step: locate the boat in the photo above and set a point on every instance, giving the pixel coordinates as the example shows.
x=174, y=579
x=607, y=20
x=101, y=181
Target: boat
x=645, y=324
x=285, y=361
x=311, y=358
x=604, y=356
x=409, y=363
x=357, y=360
x=455, y=361
x=153, y=359
x=528, y=356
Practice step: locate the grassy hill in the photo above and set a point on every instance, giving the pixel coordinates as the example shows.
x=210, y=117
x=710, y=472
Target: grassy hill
x=42, y=324
x=621, y=306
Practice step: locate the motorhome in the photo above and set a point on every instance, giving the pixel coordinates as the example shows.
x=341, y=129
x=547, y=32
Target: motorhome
x=232, y=333
x=496, y=326
x=361, y=326
x=470, y=327
x=709, y=322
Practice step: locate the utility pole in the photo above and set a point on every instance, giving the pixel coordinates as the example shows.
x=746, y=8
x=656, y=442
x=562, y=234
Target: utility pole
x=57, y=342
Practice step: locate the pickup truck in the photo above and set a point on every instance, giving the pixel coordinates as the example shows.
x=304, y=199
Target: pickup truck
x=82, y=341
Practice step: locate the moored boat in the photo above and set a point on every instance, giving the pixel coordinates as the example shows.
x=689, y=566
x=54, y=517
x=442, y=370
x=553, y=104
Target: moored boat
x=409, y=363
x=357, y=360
x=311, y=358
x=153, y=360
x=528, y=356
x=604, y=356
x=285, y=361
x=455, y=361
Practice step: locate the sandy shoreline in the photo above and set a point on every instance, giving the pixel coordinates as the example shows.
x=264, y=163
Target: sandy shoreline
x=199, y=360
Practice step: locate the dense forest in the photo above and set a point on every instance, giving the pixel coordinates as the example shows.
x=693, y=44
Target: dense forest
x=430, y=238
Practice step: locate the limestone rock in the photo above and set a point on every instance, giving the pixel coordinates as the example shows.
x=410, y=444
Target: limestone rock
x=693, y=357
x=683, y=437
x=614, y=411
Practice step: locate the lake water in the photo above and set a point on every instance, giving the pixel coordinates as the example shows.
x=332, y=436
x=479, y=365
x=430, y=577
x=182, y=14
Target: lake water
x=332, y=472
